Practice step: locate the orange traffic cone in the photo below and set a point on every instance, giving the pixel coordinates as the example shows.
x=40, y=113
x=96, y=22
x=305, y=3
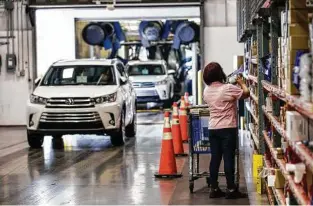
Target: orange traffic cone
x=183, y=120
x=167, y=168
x=178, y=144
x=187, y=99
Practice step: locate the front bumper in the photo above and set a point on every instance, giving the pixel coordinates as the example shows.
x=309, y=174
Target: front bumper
x=154, y=94
x=95, y=120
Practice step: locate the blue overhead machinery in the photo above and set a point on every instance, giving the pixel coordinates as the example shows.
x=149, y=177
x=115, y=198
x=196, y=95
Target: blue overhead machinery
x=108, y=35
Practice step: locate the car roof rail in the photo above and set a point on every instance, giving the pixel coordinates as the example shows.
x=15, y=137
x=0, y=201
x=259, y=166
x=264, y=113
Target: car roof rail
x=59, y=61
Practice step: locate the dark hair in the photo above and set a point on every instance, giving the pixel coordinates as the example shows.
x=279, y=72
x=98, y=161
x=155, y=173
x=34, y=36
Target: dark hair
x=213, y=72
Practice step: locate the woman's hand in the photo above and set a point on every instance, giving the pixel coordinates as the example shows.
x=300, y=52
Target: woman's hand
x=240, y=80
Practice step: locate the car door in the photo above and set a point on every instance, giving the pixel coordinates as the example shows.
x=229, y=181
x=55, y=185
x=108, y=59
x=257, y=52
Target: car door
x=128, y=94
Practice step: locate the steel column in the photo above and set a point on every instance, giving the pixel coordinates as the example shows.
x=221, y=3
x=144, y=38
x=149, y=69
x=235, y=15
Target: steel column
x=274, y=68
x=263, y=49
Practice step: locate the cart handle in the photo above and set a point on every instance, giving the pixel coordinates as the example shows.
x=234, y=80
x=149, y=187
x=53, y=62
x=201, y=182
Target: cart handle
x=203, y=106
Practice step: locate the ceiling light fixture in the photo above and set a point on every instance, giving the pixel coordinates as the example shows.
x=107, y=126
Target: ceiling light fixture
x=111, y=7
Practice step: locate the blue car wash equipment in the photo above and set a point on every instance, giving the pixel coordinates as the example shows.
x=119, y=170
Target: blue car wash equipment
x=115, y=36
x=150, y=31
x=105, y=34
x=93, y=34
x=186, y=33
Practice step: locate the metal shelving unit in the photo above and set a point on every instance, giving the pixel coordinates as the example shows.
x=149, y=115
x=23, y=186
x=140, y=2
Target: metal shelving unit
x=265, y=23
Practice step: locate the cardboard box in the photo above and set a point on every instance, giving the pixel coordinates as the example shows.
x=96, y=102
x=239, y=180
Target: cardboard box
x=298, y=42
x=260, y=185
x=279, y=179
x=238, y=61
x=257, y=163
x=291, y=88
x=298, y=16
x=297, y=128
x=298, y=29
x=297, y=4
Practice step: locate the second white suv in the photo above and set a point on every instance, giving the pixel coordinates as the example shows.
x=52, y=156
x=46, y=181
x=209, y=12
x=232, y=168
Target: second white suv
x=82, y=97
x=152, y=81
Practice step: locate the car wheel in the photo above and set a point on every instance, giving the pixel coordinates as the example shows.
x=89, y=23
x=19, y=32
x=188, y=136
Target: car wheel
x=34, y=140
x=118, y=137
x=131, y=130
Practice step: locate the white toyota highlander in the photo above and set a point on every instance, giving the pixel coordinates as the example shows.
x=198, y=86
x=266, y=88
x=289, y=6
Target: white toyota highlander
x=152, y=81
x=82, y=97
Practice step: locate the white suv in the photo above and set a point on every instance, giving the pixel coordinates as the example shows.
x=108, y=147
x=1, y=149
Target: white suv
x=152, y=81
x=82, y=97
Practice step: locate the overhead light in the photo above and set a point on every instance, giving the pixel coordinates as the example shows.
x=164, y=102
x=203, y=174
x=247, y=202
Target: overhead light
x=111, y=7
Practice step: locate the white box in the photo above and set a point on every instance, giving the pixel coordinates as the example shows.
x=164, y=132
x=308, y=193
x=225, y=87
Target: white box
x=297, y=127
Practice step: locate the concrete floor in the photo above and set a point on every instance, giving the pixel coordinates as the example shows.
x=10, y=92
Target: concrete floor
x=88, y=170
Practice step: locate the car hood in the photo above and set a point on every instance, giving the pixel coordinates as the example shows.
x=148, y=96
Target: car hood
x=147, y=78
x=74, y=91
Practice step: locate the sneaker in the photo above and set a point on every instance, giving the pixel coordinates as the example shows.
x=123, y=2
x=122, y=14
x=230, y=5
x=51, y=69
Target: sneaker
x=235, y=194
x=216, y=193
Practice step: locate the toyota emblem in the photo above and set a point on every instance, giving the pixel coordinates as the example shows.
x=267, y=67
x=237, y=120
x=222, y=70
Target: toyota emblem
x=69, y=101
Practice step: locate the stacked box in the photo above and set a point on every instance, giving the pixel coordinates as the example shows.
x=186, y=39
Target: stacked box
x=296, y=37
x=297, y=4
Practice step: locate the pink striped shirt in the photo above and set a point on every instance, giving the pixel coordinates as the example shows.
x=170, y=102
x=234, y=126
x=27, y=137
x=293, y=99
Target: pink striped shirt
x=222, y=103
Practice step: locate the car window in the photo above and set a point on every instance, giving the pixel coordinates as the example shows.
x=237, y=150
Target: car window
x=79, y=75
x=146, y=69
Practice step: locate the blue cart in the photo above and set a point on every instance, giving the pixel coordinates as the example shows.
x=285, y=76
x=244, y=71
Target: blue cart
x=198, y=118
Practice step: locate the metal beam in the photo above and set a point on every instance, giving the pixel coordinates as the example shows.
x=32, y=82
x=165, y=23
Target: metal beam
x=274, y=67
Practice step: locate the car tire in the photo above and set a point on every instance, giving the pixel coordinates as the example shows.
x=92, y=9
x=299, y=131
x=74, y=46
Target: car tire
x=34, y=140
x=131, y=130
x=118, y=137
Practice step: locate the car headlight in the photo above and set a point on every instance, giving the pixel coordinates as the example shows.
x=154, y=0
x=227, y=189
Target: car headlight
x=161, y=82
x=105, y=99
x=38, y=100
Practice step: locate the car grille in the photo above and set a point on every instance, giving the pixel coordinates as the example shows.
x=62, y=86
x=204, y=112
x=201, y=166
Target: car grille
x=76, y=102
x=76, y=121
x=143, y=84
x=148, y=99
x=146, y=93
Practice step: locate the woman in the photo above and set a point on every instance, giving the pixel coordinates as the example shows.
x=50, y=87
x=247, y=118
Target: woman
x=221, y=99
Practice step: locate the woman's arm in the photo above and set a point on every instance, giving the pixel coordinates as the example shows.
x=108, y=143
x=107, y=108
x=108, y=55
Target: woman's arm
x=246, y=92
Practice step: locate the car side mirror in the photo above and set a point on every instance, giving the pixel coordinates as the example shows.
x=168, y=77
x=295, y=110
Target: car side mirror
x=171, y=71
x=123, y=80
x=37, y=81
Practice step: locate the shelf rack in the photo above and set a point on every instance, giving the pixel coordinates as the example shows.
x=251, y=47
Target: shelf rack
x=254, y=98
x=255, y=138
x=278, y=193
x=265, y=23
x=297, y=189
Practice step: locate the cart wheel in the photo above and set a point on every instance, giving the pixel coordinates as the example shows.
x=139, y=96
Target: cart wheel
x=191, y=186
x=208, y=181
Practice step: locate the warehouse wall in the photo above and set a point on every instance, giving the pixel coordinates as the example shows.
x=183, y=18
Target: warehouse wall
x=64, y=29
x=15, y=87
x=220, y=45
x=220, y=33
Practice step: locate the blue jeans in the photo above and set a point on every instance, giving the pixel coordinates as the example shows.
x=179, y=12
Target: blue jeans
x=223, y=143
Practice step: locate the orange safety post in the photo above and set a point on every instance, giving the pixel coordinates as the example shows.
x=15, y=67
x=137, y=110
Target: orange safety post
x=167, y=167
x=183, y=120
x=177, y=139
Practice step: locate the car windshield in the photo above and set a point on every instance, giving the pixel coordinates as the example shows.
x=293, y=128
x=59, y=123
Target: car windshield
x=146, y=69
x=79, y=75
